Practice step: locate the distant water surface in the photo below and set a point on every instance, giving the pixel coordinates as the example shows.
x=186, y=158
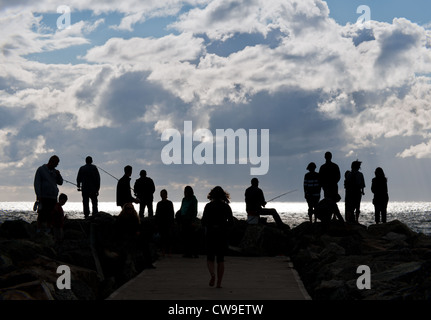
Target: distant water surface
x=417, y=215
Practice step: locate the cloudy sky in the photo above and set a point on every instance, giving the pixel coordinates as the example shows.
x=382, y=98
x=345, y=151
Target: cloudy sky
x=319, y=75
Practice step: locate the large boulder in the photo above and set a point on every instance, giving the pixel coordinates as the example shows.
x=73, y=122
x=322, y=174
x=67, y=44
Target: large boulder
x=263, y=240
x=327, y=259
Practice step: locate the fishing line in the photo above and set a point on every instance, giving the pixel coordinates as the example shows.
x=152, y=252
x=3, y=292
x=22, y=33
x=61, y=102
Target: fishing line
x=70, y=182
x=107, y=173
x=112, y=176
x=282, y=195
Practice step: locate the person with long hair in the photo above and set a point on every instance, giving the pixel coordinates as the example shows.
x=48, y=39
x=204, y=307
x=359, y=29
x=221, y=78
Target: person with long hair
x=186, y=217
x=379, y=187
x=216, y=218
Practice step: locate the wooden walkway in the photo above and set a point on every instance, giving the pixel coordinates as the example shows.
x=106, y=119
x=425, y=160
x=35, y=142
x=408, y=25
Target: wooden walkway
x=245, y=278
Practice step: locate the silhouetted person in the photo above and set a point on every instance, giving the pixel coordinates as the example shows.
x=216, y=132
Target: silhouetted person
x=131, y=235
x=216, y=218
x=46, y=180
x=255, y=203
x=329, y=175
x=348, y=213
x=124, y=194
x=187, y=215
x=311, y=189
x=128, y=222
x=58, y=218
x=379, y=187
x=327, y=209
x=165, y=219
x=88, y=181
x=144, y=189
x=355, y=185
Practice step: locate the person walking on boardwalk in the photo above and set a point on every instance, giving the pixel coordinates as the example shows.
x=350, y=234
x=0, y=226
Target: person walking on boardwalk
x=124, y=194
x=311, y=189
x=355, y=185
x=46, y=179
x=329, y=175
x=255, y=203
x=186, y=217
x=379, y=187
x=165, y=219
x=144, y=189
x=216, y=218
x=88, y=181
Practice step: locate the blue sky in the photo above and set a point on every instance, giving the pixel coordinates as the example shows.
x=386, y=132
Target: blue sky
x=381, y=10
x=305, y=70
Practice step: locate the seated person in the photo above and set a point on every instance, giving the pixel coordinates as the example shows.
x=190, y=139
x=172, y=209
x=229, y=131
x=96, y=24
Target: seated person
x=328, y=208
x=255, y=203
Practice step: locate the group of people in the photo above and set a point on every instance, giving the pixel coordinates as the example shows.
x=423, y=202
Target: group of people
x=354, y=183
x=217, y=215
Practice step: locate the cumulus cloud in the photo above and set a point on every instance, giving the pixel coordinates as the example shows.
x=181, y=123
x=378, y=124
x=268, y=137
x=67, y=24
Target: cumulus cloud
x=311, y=81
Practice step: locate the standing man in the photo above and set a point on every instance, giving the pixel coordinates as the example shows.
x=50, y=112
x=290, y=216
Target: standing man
x=255, y=203
x=88, y=181
x=46, y=180
x=144, y=190
x=124, y=194
x=329, y=175
x=355, y=184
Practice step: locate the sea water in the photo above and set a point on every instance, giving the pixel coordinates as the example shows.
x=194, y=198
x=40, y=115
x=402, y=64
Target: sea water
x=416, y=215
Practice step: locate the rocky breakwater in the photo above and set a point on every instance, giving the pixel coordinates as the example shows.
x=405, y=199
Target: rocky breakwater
x=98, y=257
x=353, y=262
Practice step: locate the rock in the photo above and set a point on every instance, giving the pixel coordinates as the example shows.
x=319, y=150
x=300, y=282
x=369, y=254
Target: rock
x=325, y=257
x=17, y=229
x=327, y=260
x=32, y=258
x=262, y=240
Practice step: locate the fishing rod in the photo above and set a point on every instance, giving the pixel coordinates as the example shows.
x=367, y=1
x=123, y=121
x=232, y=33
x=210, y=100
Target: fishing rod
x=70, y=182
x=282, y=195
x=108, y=173
x=112, y=176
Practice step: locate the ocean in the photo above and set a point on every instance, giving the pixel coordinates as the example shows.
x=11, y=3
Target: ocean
x=416, y=215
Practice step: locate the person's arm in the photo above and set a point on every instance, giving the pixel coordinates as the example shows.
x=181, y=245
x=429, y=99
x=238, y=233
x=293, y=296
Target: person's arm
x=262, y=198
x=37, y=184
x=59, y=178
x=204, y=219
x=79, y=178
x=97, y=174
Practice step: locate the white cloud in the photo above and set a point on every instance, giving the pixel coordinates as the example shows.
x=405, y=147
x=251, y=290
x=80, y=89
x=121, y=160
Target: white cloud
x=422, y=150
x=366, y=85
x=147, y=52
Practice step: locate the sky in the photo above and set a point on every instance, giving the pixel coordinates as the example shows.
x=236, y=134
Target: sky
x=151, y=83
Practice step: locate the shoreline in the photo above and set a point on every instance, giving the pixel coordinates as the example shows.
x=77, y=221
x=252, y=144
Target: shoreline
x=417, y=215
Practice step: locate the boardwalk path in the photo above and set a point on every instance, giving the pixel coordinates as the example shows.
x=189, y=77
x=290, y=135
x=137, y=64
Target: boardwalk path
x=246, y=278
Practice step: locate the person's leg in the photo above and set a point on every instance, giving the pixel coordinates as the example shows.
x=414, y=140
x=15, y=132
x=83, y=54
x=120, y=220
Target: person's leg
x=376, y=214
x=384, y=213
x=94, y=202
x=310, y=209
x=150, y=208
x=274, y=214
x=211, y=269
x=220, y=271
x=141, y=209
x=85, y=204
